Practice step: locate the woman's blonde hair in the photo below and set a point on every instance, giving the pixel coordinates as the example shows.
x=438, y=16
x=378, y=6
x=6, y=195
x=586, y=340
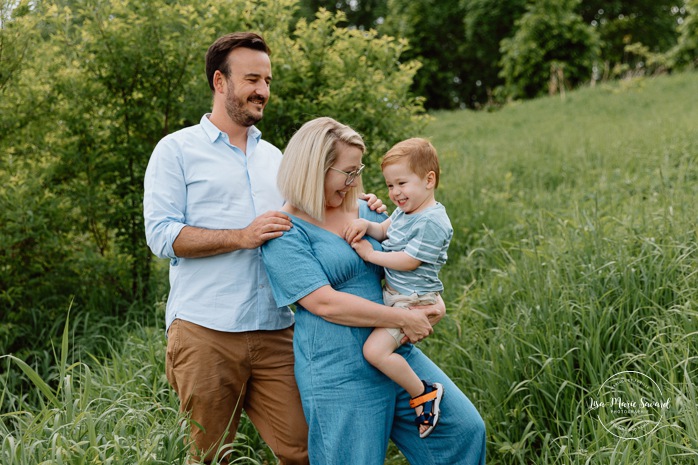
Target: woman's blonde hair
x=308, y=156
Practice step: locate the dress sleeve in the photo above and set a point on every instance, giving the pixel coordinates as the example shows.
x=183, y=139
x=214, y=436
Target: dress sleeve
x=293, y=270
x=370, y=215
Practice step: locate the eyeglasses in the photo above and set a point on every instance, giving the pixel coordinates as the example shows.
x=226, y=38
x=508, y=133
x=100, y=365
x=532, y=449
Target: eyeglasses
x=351, y=175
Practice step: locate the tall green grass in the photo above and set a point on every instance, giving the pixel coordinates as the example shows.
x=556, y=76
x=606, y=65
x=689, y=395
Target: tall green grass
x=574, y=258
x=118, y=410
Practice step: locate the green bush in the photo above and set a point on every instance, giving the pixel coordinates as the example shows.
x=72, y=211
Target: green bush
x=553, y=50
x=89, y=87
x=354, y=76
x=685, y=53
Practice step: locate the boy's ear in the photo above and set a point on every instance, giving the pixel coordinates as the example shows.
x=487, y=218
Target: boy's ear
x=431, y=179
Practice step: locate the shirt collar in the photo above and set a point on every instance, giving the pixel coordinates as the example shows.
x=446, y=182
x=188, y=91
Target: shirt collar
x=214, y=133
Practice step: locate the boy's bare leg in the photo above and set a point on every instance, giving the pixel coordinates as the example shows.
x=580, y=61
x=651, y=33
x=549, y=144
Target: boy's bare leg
x=379, y=351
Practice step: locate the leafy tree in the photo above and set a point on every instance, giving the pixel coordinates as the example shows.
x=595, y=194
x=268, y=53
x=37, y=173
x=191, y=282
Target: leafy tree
x=487, y=23
x=552, y=49
x=462, y=63
x=685, y=53
x=436, y=34
x=362, y=14
x=87, y=89
x=622, y=22
x=125, y=65
x=35, y=232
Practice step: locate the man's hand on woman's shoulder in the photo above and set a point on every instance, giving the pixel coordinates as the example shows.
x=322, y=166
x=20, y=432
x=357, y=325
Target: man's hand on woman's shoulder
x=374, y=203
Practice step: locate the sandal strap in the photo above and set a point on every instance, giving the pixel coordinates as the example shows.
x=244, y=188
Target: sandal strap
x=425, y=419
x=423, y=399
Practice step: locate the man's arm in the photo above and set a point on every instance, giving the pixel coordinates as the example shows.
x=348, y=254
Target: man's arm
x=164, y=203
x=374, y=203
x=195, y=242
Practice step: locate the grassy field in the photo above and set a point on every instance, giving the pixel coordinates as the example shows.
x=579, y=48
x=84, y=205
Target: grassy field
x=575, y=260
x=573, y=267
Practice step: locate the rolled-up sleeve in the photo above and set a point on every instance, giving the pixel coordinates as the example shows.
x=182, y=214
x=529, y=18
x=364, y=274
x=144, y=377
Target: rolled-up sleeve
x=164, y=200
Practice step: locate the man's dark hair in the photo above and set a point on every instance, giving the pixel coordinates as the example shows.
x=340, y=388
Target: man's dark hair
x=217, y=54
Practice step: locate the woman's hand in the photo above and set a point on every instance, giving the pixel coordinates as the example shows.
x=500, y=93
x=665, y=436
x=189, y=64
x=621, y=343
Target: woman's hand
x=434, y=313
x=417, y=326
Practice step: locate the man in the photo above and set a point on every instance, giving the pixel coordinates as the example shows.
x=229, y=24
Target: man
x=210, y=202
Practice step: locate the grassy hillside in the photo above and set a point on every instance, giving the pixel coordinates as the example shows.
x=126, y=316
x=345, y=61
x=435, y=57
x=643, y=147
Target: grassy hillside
x=574, y=262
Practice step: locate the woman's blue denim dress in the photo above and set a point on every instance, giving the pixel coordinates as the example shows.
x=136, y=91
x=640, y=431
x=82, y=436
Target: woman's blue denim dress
x=351, y=407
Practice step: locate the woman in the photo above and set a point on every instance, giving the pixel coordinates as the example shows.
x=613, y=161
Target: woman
x=352, y=409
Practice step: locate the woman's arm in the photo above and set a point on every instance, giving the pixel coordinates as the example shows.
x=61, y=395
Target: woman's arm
x=350, y=310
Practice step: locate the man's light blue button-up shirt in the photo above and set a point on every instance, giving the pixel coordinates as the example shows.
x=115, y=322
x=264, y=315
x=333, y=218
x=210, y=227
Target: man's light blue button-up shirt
x=195, y=177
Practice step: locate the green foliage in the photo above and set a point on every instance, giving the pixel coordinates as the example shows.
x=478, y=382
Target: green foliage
x=130, y=63
x=42, y=259
x=14, y=41
x=552, y=50
x=35, y=258
x=573, y=259
x=685, y=53
x=648, y=63
x=487, y=23
x=352, y=75
x=88, y=87
x=436, y=39
x=620, y=23
x=364, y=14
x=118, y=410
x=458, y=41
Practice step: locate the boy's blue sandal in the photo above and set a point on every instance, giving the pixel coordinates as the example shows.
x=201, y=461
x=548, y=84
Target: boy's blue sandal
x=430, y=400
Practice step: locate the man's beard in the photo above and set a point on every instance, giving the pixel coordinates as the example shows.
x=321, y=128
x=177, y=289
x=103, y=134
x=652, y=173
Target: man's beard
x=237, y=112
